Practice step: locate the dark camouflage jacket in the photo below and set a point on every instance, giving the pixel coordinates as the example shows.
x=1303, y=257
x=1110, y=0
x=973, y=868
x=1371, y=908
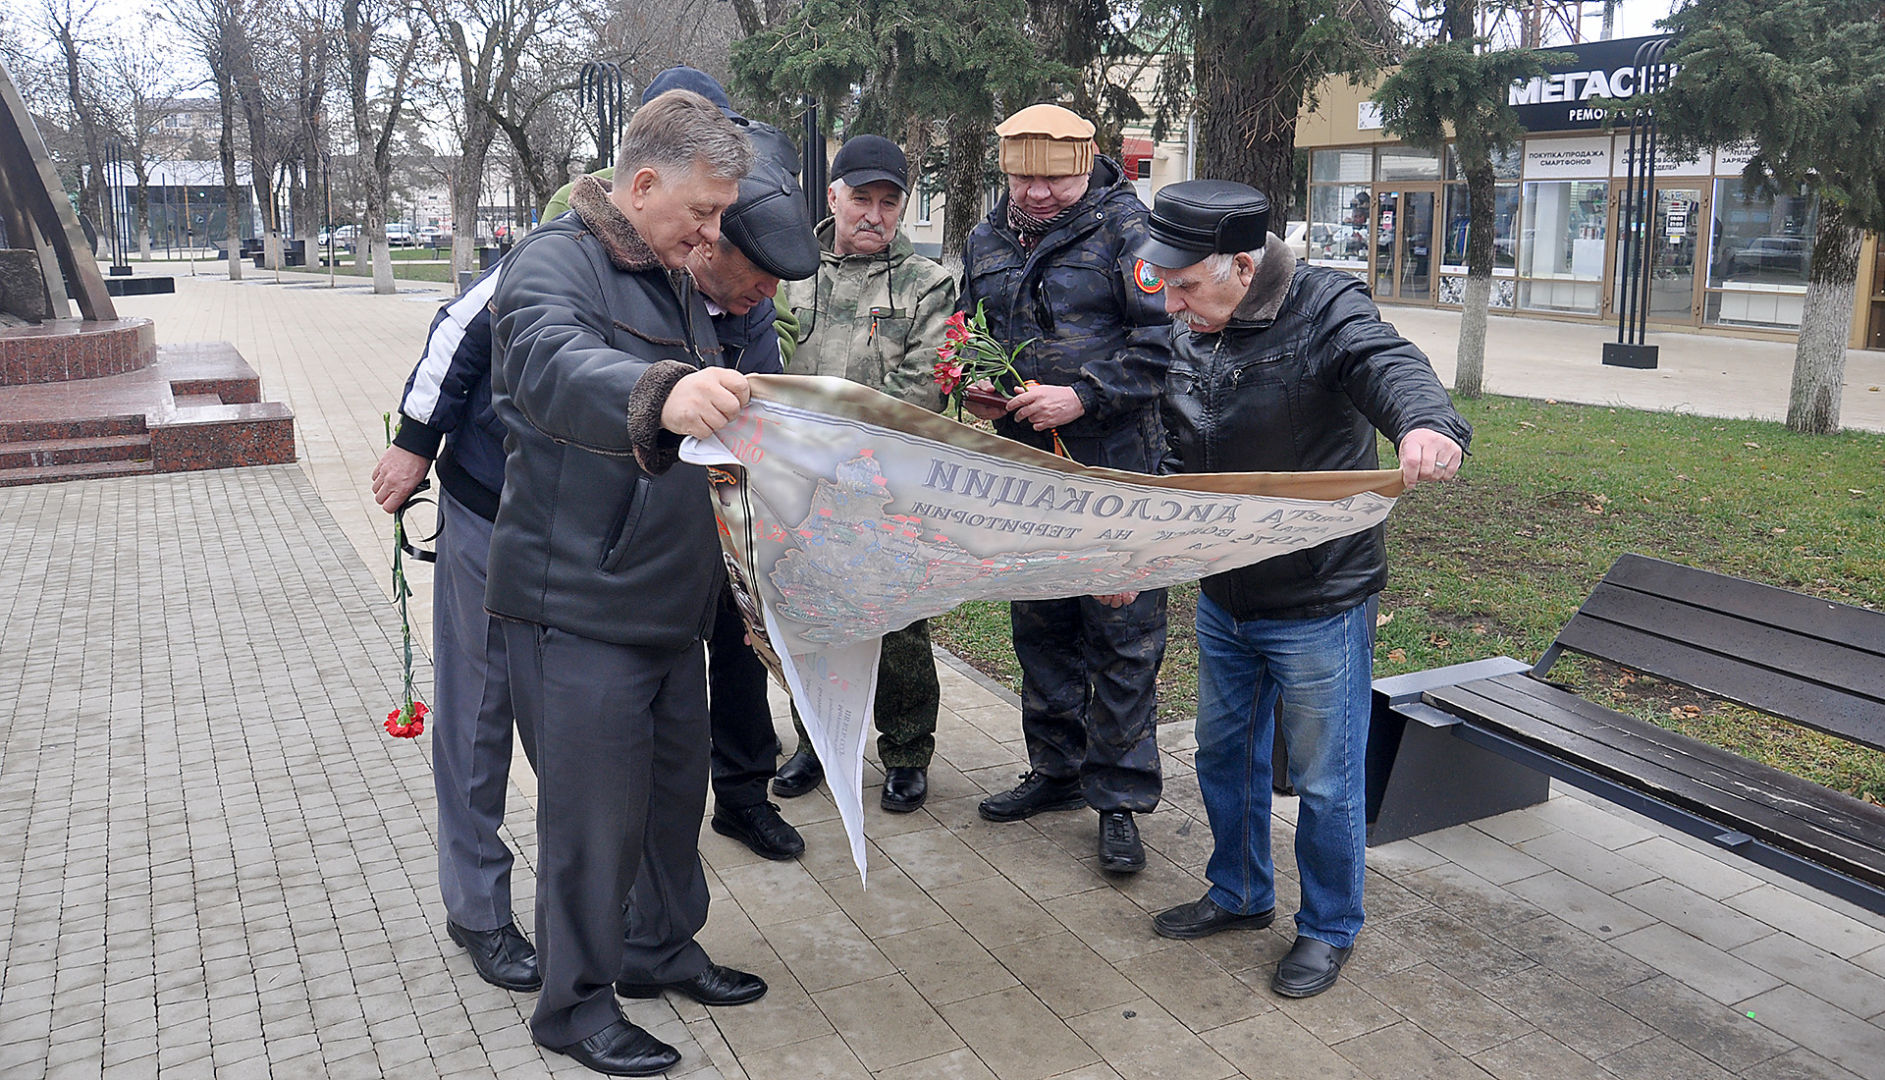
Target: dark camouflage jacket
x=1096, y=327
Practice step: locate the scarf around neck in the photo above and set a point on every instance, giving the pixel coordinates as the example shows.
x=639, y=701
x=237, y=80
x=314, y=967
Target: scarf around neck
x=1029, y=229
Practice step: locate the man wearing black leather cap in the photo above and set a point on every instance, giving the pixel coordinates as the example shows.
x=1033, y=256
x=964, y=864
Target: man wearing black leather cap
x=1279, y=366
x=765, y=237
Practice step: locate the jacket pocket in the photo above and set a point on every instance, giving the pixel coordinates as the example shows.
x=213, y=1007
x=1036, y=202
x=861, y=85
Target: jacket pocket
x=622, y=537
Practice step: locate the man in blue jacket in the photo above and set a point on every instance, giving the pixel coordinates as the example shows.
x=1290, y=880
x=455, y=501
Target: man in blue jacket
x=446, y=414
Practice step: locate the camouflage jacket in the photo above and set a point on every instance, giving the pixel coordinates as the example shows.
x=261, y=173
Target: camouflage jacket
x=1094, y=323
x=872, y=319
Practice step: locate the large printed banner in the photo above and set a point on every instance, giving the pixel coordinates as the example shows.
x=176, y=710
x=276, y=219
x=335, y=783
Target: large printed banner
x=846, y=514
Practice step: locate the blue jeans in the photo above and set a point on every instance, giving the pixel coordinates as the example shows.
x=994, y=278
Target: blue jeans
x=1321, y=670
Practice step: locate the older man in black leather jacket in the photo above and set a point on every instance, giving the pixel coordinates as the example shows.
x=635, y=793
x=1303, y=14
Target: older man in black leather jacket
x=1279, y=366
x=605, y=572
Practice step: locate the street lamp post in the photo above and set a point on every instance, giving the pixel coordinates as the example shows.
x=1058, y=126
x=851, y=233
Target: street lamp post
x=600, y=90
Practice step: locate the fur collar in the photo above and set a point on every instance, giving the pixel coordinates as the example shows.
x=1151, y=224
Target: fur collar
x=627, y=250
x=1267, y=290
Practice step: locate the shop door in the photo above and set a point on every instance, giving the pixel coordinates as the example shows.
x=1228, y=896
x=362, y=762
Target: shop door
x=1677, y=216
x=1404, y=245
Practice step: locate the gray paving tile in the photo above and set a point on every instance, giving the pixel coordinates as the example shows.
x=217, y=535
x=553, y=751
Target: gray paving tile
x=1719, y=1032
x=826, y=951
x=886, y=1022
x=1588, y=861
x=1809, y=919
x=1704, y=871
x=1016, y=1036
x=1407, y=1053
x=1830, y=1032
x=1571, y=1015
x=1662, y=1058
x=1195, y=991
x=1271, y=1046
x=1066, y=974
x=1448, y=1009
x=1821, y=974
x=1538, y=1056
x=1799, y=1065
x=1695, y=914
x=945, y=964
x=1141, y=1041
x=1565, y=950
x=1700, y=965
x=1589, y=909
x=1480, y=853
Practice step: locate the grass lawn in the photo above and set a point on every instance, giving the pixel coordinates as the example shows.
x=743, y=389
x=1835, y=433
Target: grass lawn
x=403, y=269
x=1496, y=561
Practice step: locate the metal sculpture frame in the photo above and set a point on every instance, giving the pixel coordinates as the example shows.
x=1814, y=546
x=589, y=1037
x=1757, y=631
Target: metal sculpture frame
x=1635, y=213
x=33, y=208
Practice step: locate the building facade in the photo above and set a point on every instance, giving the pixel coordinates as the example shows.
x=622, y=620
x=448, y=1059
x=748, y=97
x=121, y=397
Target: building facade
x=1722, y=256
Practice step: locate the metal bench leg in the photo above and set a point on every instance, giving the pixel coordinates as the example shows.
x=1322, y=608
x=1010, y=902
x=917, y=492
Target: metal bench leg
x=1421, y=777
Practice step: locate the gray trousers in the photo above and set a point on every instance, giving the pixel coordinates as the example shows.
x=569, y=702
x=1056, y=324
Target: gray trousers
x=622, y=783
x=471, y=726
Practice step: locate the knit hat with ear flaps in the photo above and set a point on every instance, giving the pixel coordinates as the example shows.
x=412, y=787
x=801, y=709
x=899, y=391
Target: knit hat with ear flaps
x=1046, y=140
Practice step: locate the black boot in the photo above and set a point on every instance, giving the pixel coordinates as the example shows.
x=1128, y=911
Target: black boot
x=1035, y=794
x=1120, y=849
x=799, y=775
x=905, y=788
x=761, y=828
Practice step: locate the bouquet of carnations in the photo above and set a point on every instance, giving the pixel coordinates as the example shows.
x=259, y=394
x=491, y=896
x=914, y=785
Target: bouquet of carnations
x=969, y=356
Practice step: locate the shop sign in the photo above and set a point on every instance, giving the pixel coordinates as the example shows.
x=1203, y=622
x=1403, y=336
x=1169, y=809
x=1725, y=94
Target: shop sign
x=1733, y=160
x=1368, y=116
x=1667, y=164
x=1582, y=158
x=1565, y=98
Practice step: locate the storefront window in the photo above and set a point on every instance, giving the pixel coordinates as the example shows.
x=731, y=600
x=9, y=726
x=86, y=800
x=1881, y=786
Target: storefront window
x=1761, y=248
x=1561, y=245
x=1505, y=164
x=1408, y=163
x=1505, y=210
x=1338, y=224
x=1341, y=166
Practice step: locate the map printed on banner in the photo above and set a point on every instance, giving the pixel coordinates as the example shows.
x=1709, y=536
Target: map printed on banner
x=846, y=514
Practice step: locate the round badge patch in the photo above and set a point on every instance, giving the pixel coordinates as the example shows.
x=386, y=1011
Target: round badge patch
x=1146, y=278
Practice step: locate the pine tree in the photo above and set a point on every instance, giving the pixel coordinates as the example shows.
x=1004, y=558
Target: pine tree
x=1799, y=80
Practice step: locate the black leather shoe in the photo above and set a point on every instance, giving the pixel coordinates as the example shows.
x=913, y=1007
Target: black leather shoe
x=761, y=828
x=622, y=1049
x=1035, y=794
x=1311, y=967
x=1120, y=849
x=502, y=957
x=715, y=986
x=905, y=788
x=799, y=775
x=1204, y=917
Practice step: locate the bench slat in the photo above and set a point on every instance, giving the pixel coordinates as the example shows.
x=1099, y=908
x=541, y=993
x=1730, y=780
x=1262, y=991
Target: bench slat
x=1709, y=764
x=1772, y=690
x=1755, y=645
x=1667, y=774
x=1796, y=612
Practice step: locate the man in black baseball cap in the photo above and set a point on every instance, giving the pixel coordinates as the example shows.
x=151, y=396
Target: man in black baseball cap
x=1321, y=368
x=875, y=314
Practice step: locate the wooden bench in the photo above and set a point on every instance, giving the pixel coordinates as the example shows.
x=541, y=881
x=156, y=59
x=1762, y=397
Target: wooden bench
x=1455, y=744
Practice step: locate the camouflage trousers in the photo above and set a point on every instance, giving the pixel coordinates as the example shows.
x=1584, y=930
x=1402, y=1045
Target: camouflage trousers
x=1089, y=676
x=906, y=702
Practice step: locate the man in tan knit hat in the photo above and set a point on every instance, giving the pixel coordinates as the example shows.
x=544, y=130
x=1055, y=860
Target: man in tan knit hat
x=1053, y=266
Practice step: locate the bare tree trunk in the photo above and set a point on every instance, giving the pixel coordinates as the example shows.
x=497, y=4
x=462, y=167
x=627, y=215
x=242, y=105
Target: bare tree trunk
x=1470, y=368
x=142, y=223
x=226, y=150
x=963, y=180
x=1819, y=362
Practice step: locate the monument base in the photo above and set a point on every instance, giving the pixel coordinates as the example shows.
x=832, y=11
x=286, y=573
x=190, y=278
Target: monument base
x=195, y=406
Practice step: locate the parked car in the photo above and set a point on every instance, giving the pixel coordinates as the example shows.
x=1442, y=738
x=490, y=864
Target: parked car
x=400, y=234
x=1296, y=235
x=433, y=236
x=1776, y=254
x=342, y=237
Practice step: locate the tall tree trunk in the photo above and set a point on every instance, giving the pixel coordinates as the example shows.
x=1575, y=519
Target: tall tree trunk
x=1246, y=107
x=142, y=223
x=467, y=184
x=1819, y=361
x=232, y=192
x=964, y=180
x=1469, y=371
x=92, y=189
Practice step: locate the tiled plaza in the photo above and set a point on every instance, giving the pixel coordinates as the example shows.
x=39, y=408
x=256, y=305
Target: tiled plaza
x=214, y=863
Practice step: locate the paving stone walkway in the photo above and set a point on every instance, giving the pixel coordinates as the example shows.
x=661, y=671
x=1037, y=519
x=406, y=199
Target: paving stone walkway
x=213, y=863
